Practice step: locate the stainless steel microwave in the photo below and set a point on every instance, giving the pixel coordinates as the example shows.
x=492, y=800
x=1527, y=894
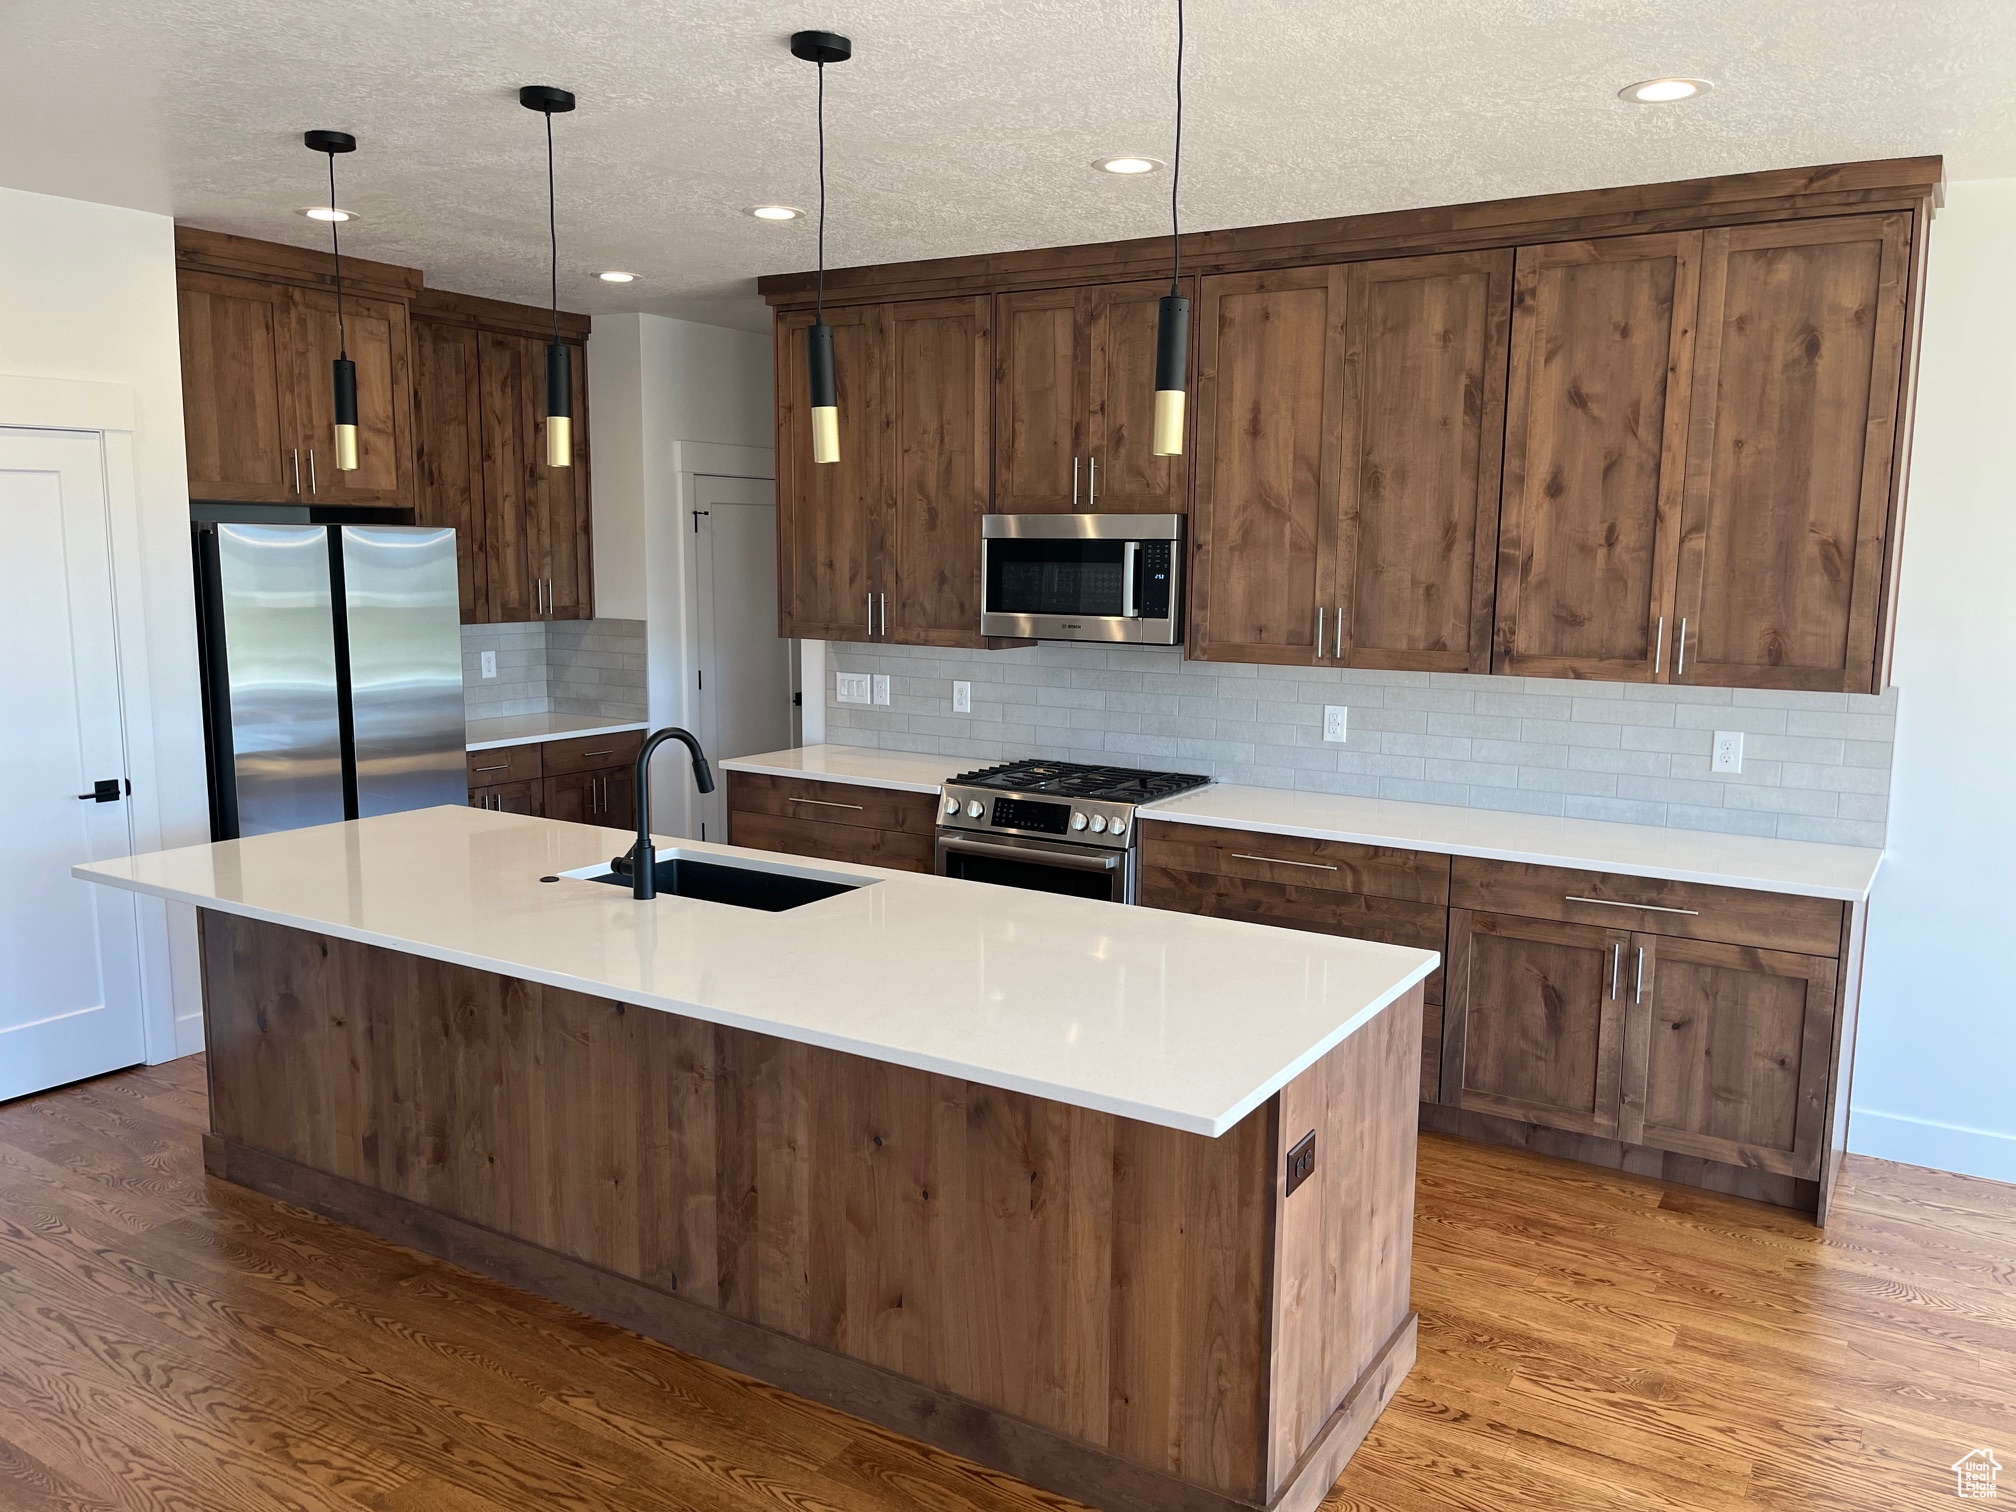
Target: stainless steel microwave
x=1086, y=577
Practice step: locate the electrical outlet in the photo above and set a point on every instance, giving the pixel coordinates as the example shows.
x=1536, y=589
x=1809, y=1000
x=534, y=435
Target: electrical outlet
x=1301, y=1161
x=1728, y=751
x=1335, y=720
x=881, y=687
x=962, y=698
x=851, y=687
x=489, y=663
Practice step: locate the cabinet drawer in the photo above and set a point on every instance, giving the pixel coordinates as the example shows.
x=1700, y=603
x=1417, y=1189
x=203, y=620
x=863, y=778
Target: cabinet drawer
x=519, y=763
x=831, y=842
x=1319, y=910
x=834, y=803
x=1683, y=910
x=1415, y=876
x=591, y=753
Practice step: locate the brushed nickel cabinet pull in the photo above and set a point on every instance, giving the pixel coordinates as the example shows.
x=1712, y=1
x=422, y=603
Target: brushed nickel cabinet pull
x=871, y=604
x=1074, y=484
x=1639, y=994
x=501, y=767
x=586, y=754
x=1092, y=498
x=1340, y=632
x=825, y=803
x=1680, y=670
x=1319, y=632
x=1280, y=861
x=1616, y=966
x=1613, y=903
x=1659, y=649
x=311, y=471
x=297, y=469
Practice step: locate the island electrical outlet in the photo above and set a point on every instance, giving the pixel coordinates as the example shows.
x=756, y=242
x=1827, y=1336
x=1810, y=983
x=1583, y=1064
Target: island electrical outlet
x=1301, y=1161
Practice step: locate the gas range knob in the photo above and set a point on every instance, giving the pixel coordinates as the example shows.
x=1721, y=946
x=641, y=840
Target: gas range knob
x=1077, y=821
x=1098, y=824
x=1119, y=825
x=951, y=805
x=975, y=808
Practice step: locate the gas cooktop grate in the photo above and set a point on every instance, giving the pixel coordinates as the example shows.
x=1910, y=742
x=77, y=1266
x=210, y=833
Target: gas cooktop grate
x=1071, y=779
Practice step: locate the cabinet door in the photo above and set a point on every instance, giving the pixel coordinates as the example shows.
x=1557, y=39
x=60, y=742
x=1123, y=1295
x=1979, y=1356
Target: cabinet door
x=1796, y=390
x=511, y=562
x=935, y=361
x=1122, y=473
x=448, y=450
x=1534, y=1022
x=1595, y=444
x=828, y=569
x=618, y=803
x=234, y=364
x=1727, y=1050
x=559, y=495
x=374, y=332
x=575, y=797
x=1040, y=401
x=509, y=798
x=1270, y=370
x=1424, y=433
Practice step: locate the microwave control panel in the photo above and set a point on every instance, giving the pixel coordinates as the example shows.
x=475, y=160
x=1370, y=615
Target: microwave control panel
x=1156, y=560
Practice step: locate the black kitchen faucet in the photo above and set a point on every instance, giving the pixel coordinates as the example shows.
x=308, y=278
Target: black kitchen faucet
x=641, y=864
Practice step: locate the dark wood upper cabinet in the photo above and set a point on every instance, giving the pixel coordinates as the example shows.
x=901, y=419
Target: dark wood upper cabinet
x=235, y=363
x=1794, y=426
x=1268, y=422
x=448, y=451
x=1595, y=452
x=561, y=524
x=511, y=562
x=1534, y=1023
x=1423, y=403
x=1075, y=404
x=936, y=363
x=828, y=547
x=1728, y=1053
x=374, y=334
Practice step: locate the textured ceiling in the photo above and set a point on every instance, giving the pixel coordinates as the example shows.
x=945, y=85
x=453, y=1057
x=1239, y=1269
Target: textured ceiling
x=960, y=126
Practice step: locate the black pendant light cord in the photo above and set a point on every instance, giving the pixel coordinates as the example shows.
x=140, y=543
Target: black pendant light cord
x=820, y=316
x=1176, y=166
x=552, y=228
x=336, y=245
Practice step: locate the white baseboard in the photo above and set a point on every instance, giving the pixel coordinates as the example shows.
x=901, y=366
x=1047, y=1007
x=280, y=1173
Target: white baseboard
x=1924, y=1142
x=188, y=1035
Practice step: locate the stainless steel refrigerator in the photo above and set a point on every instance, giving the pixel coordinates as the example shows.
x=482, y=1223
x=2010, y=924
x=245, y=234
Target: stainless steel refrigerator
x=332, y=668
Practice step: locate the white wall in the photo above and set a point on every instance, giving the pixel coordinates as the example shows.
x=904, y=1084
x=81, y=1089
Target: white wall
x=656, y=385
x=1935, y=1073
x=88, y=292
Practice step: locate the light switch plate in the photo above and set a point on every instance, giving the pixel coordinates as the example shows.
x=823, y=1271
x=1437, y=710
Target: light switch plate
x=851, y=687
x=1336, y=719
x=881, y=687
x=489, y=663
x=1728, y=751
x=962, y=698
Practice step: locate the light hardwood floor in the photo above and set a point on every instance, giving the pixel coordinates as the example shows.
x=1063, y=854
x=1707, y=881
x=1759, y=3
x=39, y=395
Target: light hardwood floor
x=1588, y=1340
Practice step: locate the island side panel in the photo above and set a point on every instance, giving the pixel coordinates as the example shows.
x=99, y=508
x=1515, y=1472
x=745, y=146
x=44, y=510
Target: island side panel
x=1343, y=1328
x=1106, y=1280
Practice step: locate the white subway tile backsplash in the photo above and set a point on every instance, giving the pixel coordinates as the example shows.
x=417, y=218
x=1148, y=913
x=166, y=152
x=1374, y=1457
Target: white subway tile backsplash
x=588, y=667
x=1816, y=765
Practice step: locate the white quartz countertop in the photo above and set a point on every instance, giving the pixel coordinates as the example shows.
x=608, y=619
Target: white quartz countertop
x=1167, y=1018
x=528, y=729
x=1635, y=850
x=900, y=770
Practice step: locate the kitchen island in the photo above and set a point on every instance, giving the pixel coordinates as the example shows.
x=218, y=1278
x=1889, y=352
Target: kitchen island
x=1027, y=1177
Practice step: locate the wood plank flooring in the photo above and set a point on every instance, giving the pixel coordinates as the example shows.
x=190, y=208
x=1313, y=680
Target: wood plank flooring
x=1587, y=1340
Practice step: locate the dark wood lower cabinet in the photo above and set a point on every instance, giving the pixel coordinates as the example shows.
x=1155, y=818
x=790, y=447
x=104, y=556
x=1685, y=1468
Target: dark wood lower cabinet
x=607, y=798
x=509, y=798
x=833, y=821
x=549, y=779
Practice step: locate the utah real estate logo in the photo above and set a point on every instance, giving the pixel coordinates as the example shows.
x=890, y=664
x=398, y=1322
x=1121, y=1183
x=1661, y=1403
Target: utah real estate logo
x=1974, y=1475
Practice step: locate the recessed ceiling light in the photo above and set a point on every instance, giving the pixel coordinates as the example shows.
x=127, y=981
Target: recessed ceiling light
x=1127, y=164
x=328, y=213
x=613, y=276
x=776, y=212
x=1662, y=91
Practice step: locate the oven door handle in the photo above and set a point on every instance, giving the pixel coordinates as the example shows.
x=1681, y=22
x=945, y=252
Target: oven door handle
x=1130, y=567
x=1073, y=860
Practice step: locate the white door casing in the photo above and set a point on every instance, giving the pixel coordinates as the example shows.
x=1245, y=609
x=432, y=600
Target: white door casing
x=742, y=668
x=70, y=1000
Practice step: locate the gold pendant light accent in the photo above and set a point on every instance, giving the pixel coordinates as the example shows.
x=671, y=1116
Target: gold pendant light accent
x=549, y=102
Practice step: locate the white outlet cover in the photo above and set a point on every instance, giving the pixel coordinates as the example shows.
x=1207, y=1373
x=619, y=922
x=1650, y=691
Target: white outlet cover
x=882, y=687
x=1336, y=722
x=962, y=698
x=851, y=687
x=489, y=663
x=1728, y=751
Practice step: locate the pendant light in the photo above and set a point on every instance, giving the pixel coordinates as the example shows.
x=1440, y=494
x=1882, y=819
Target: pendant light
x=344, y=374
x=550, y=102
x=822, y=48
x=1172, y=334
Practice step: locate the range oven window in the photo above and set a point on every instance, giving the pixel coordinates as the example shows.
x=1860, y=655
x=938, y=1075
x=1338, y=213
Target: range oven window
x=1026, y=576
x=1034, y=876
x=1043, y=818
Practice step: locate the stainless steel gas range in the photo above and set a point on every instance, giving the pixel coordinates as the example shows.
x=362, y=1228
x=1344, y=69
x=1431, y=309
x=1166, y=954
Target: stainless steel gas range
x=1054, y=826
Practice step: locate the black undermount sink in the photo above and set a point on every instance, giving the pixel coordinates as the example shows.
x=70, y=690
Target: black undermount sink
x=738, y=886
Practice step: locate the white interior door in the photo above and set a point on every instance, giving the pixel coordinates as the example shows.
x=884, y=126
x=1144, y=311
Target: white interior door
x=69, y=951
x=743, y=667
